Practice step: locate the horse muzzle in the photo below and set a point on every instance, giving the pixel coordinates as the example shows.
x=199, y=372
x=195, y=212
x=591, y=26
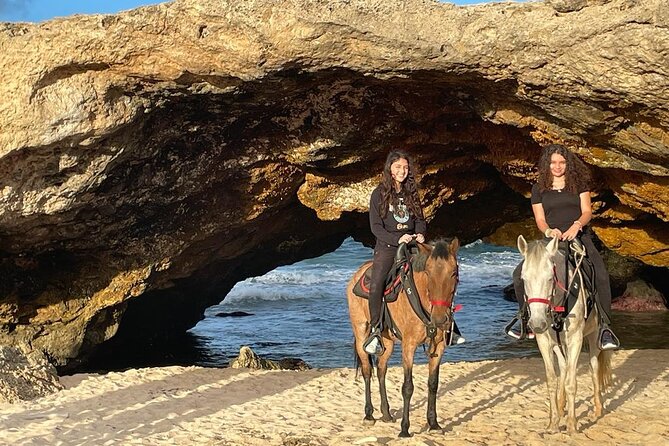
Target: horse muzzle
x=538, y=325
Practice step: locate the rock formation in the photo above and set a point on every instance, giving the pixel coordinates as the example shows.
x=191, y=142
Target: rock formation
x=249, y=359
x=151, y=159
x=25, y=375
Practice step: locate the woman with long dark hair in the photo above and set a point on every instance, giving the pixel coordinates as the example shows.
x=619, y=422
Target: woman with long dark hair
x=395, y=216
x=562, y=208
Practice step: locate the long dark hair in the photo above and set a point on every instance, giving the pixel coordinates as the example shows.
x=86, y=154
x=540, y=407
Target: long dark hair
x=408, y=186
x=576, y=175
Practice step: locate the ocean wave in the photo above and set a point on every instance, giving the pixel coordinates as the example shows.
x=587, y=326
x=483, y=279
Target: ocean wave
x=296, y=276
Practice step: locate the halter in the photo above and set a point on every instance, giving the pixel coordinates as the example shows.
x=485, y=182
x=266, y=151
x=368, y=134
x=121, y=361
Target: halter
x=549, y=300
x=558, y=312
x=446, y=303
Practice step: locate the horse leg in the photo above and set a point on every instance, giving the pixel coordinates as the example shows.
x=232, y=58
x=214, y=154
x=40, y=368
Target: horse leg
x=408, y=352
x=360, y=332
x=432, y=386
x=574, y=345
x=593, y=352
x=381, y=369
x=545, y=342
x=562, y=373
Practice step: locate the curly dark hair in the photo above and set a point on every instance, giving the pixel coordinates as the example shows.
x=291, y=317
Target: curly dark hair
x=577, y=175
x=409, y=186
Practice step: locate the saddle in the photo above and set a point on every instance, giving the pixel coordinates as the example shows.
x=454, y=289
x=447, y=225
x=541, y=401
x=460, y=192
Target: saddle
x=392, y=283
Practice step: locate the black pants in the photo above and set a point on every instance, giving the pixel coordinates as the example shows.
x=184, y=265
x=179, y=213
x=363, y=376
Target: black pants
x=602, y=282
x=384, y=258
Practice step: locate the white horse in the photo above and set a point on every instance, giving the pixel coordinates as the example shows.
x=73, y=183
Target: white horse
x=538, y=274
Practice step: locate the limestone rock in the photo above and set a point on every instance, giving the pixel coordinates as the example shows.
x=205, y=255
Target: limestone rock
x=25, y=375
x=150, y=160
x=640, y=296
x=249, y=359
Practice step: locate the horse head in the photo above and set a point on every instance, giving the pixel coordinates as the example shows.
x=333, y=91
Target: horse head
x=441, y=267
x=538, y=274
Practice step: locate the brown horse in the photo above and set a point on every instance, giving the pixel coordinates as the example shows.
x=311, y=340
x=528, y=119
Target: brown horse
x=435, y=284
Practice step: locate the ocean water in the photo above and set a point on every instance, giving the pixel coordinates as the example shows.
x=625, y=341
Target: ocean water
x=300, y=311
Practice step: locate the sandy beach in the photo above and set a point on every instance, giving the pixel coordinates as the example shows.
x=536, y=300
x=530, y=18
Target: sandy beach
x=479, y=403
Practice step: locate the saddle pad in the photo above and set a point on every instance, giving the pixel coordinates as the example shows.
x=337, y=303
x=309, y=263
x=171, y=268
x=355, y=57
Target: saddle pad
x=391, y=289
x=588, y=273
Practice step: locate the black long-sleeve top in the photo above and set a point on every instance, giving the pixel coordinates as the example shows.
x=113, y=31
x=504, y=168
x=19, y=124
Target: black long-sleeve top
x=397, y=222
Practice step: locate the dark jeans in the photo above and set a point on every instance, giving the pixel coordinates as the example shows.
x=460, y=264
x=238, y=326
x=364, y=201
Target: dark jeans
x=601, y=279
x=384, y=258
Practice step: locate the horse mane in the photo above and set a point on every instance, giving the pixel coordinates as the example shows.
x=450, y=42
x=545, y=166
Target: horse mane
x=440, y=249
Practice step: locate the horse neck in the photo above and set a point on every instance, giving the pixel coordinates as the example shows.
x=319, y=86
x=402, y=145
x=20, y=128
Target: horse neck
x=420, y=279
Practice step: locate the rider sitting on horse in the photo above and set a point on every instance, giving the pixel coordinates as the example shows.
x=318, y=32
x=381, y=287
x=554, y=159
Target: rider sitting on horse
x=562, y=209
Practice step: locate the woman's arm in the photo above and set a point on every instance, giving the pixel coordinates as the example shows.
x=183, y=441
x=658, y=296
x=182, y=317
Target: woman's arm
x=540, y=220
x=584, y=219
x=376, y=222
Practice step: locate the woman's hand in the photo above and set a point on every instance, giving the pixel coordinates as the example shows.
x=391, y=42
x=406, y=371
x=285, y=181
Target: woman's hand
x=571, y=233
x=406, y=238
x=555, y=232
x=420, y=238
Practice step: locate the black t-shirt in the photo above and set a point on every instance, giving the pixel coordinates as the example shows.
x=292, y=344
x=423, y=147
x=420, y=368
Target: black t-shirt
x=561, y=208
x=396, y=223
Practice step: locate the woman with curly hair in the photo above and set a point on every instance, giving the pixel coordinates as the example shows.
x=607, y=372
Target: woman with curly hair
x=395, y=216
x=562, y=208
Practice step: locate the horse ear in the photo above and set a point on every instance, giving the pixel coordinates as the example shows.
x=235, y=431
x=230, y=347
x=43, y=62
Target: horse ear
x=455, y=245
x=522, y=245
x=552, y=246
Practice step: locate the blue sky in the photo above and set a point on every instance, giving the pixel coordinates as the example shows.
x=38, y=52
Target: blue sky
x=39, y=10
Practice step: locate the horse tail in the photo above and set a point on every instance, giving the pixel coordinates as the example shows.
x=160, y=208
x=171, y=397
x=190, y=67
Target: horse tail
x=358, y=363
x=604, y=370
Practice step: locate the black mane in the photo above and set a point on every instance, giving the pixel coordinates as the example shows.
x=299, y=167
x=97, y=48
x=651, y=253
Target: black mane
x=440, y=249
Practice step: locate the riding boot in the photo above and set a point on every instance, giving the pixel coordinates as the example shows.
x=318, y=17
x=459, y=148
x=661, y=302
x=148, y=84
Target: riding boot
x=525, y=333
x=373, y=345
x=607, y=339
x=456, y=336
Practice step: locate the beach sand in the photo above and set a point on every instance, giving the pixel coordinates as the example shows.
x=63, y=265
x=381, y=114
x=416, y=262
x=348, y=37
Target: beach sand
x=479, y=403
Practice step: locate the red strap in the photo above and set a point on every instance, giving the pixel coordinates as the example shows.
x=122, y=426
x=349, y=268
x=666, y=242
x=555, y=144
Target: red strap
x=440, y=303
x=457, y=308
x=557, y=279
x=538, y=300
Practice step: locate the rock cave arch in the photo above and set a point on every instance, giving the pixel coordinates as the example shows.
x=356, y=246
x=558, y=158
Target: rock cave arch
x=141, y=181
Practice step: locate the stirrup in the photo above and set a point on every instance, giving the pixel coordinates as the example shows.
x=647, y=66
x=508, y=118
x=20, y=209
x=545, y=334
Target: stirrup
x=453, y=336
x=373, y=345
x=610, y=344
x=509, y=331
x=457, y=339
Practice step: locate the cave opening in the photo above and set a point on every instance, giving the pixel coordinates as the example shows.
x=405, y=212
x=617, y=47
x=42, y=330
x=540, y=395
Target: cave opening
x=228, y=180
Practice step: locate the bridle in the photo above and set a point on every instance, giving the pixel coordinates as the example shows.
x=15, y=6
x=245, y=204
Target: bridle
x=548, y=301
x=556, y=312
x=414, y=300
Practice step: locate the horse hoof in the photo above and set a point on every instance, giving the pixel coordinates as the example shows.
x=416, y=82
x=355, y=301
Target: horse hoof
x=387, y=419
x=435, y=427
x=368, y=421
x=404, y=434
